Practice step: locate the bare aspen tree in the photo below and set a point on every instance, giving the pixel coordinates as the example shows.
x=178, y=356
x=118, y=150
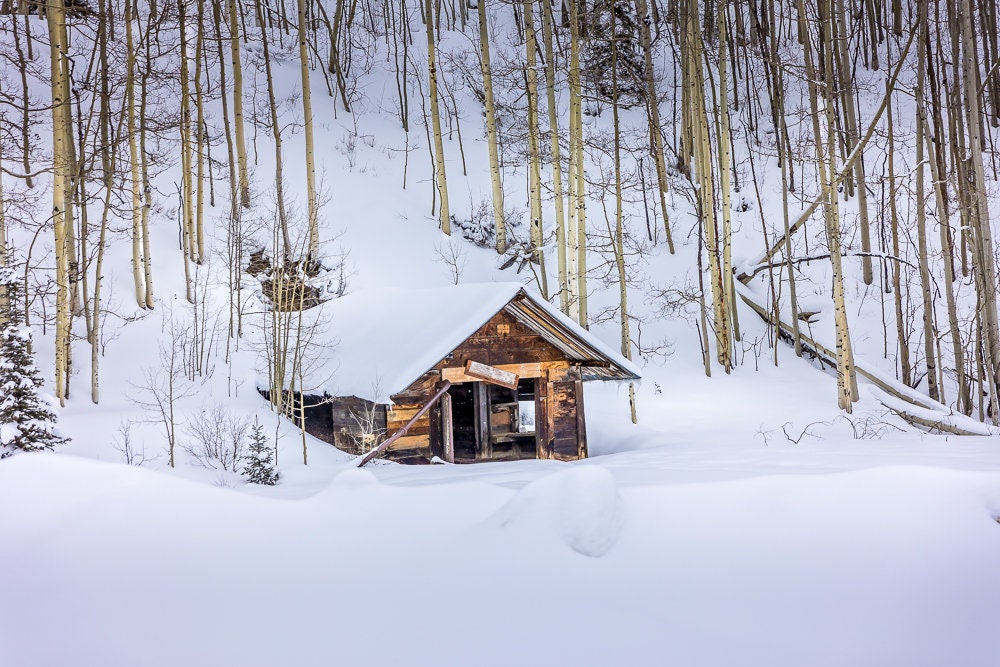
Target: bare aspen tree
x=921, y=204
x=133, y=149
x=725, y=169
x=534, y=158
x=901, y=335
x=692, y=57
x=847, y=391
x=846, y=83
x=147, y=203
x=557, y=187
x=312, y=212
x=653, y=110
x=25, y=100
x=984, y=265
x=618, y=237
x=499, y=224
x=240, y=139
x=200, y=142
x=279, y=173
x=574, y=242
x=187, y=153
x=61, y=167
x=440, y=174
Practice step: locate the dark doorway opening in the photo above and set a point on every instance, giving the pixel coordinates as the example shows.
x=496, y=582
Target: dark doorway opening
x=490, y=422
x=463, y=415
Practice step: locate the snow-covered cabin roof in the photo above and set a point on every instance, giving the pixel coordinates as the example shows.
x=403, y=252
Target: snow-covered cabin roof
x=381, y=341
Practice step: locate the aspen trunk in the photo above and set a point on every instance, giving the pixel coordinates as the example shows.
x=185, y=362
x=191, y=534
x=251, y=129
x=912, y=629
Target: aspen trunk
x=312, y=212
x=241, y=148
x=618, y=240
x=440, y=174
x=187, y=155
x=56, y=18
x=984, y=265
x=133, y=152
x=921, y=204
x=534, y=159
x=499, y=224
x=846, y=379
x=653, y=107
x=901, y=335
x=574, y=241
x=557, y=188
x=279, y=173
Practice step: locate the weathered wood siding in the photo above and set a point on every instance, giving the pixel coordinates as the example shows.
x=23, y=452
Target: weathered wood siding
x=566, y=431
x=350, y=423
x=416, y=444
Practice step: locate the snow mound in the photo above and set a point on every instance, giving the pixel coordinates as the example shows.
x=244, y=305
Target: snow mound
x=582, y=506
x=354, y=478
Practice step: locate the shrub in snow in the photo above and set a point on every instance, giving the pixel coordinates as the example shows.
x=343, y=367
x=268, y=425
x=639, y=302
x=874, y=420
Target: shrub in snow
x=259, y=468
x=27, y=421
x=217, y=439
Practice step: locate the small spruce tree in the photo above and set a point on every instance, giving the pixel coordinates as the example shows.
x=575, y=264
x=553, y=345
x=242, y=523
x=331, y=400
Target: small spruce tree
x=27, y=421
x=259, y=468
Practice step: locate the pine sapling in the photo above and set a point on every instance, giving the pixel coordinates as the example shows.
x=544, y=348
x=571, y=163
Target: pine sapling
x=27, y=421
x=259, y=468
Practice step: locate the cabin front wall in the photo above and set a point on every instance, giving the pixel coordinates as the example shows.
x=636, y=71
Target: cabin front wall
x=505, y=343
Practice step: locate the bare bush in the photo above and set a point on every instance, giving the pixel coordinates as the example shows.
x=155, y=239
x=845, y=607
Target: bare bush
x=133, y=453
x=217, y=439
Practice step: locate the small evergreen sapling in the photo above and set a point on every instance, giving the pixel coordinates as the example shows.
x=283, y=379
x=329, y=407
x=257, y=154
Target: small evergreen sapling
x=27, y=421
x=259, y=468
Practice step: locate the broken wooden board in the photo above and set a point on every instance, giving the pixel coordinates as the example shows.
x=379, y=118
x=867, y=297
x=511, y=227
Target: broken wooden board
x=491, y=374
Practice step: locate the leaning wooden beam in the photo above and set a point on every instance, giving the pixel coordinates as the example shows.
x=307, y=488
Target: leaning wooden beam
x=378, y=451
x=491, y=374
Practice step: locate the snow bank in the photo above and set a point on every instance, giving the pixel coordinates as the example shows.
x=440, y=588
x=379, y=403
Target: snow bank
x=581, y=505
x=115, y=566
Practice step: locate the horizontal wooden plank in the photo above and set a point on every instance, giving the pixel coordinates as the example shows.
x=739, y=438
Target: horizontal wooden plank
x=527, y=370
x=399, y=413
x=411, y=442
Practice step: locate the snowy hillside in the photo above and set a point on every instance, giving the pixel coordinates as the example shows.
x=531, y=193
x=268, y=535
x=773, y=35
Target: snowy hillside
x=743, y=519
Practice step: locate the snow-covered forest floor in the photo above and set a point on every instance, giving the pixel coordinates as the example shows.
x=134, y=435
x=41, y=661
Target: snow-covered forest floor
x=744, y=520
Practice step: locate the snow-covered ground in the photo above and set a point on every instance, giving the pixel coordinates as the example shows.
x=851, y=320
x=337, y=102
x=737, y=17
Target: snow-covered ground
x=707, y=538
x=112, y=565
x=743, y=521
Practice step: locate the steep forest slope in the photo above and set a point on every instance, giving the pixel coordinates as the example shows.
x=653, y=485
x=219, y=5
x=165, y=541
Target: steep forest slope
x=832, y=163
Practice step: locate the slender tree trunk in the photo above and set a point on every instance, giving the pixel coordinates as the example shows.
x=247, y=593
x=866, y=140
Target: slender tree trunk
x=534, y=158
x=653, y=107
x=241, y=146
x=921, y=205
x=56, y=17
x=440, y=174
x=557, y=188
x=499, y=224
x=312, y=212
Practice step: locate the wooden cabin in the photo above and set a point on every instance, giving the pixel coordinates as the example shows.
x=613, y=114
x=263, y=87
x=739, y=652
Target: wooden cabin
x=502, y=369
